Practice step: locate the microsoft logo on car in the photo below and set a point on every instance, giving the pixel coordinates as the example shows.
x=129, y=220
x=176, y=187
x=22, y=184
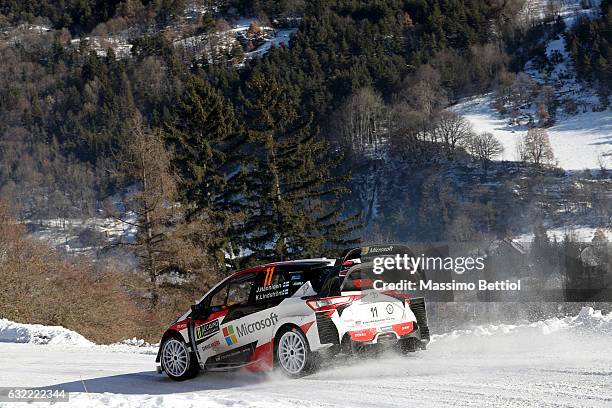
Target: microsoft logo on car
x=230, y=336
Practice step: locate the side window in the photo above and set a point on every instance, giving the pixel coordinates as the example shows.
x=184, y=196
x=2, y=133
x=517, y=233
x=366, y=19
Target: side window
x=219, y=298
x=235, y=292
x=271, y=284
x=239, y=292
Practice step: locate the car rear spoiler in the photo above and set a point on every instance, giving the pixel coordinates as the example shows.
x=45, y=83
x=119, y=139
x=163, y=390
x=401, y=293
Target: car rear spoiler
x=367, y=253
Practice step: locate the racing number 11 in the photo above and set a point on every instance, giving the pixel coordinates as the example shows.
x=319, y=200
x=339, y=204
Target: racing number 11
x=374, y=311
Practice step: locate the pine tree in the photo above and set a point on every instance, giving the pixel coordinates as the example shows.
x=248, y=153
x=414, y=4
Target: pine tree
x=292, y=199
x=207, y=137
x=206, y=134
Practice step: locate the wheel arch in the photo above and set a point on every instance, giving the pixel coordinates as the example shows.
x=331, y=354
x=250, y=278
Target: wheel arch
x=284, y=327
x=311, y=363
x=170, y=333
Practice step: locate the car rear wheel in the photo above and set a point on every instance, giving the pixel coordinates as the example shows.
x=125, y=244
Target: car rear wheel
x=177, y=362
x=409, y=345
x=293, y=354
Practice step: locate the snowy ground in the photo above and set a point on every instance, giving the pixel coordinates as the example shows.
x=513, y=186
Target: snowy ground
x=558, y=362
x=579, y=234
x=64, y=233
x=225, y=40
x=578, y=141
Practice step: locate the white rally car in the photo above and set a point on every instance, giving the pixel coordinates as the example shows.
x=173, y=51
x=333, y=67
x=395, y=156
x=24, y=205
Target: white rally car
x=291, y=315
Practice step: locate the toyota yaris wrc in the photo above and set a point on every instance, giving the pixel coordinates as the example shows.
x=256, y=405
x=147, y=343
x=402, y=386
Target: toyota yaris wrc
x=291, y=315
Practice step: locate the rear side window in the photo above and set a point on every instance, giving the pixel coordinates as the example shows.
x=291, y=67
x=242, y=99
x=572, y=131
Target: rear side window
x=271, y=284
x=279, y=283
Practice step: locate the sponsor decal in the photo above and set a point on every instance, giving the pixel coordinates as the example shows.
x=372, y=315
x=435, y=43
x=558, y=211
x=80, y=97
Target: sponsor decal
x=296, y=276
x=403, y=328
x=206, y=330
x=214, y=345
x=248, y=328
x=362, y=335
x=389, y=308
x=375, y=250
x=230, y=336
x=239, y=355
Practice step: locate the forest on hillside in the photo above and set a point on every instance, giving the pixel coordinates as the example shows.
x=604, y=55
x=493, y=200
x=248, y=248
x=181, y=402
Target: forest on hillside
x=343, y=135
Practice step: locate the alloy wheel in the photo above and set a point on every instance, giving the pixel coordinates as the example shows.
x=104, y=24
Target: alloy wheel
x=292, y=352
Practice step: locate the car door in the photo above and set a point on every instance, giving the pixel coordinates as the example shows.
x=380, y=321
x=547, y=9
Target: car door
x=206, y=332
x=248, y=327
x=219, y=336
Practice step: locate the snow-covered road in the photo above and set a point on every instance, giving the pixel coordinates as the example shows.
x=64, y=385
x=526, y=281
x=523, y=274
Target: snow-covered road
x=546, y=364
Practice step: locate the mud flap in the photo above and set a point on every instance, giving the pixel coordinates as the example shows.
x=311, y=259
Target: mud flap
x=417, y=305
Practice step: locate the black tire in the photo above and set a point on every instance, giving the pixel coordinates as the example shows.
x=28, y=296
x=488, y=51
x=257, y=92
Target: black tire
x=289, y=345
x=409, y=345
x=177, y=362
x=366, y=350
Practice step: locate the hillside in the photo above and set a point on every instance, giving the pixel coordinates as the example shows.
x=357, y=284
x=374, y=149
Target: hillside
x=581, y=130
x=153, y=146
x=580, y=141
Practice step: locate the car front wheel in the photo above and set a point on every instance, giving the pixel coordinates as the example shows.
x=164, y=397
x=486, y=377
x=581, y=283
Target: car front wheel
x=293, y=354
x=178, y=363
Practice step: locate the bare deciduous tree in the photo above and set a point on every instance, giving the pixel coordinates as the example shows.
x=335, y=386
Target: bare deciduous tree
x=552, y=9
x=162, y=242
x=424, y=91
x=452, y=129
x=485, y=147
x=363, y=120
x=535, y=148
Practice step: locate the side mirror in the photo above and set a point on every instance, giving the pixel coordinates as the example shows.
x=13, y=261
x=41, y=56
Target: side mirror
x=196, y=310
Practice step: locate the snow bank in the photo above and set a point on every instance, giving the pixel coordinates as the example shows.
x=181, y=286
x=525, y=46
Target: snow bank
x=587, y=321
x=134, y=345
x=11, y=332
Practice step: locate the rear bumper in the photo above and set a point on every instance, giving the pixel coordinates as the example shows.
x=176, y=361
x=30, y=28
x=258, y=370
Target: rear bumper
x=330, y=331
x=376, y=336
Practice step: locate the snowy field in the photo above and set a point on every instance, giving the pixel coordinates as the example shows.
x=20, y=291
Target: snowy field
x=578, y=233
x=578, y=141
x=558, y=362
